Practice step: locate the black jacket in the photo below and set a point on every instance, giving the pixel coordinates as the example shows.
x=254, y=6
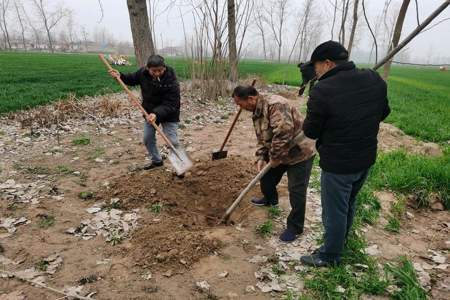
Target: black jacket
x=345, y=109
x=159, y=97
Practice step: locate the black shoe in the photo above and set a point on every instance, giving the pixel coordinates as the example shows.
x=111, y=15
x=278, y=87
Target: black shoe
x=288, y=235
x=262, y=202
x=153, y=164
x=315, y=261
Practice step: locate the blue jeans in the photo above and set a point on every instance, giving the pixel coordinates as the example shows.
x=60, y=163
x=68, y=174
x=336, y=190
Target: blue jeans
x=169, y=129
x=338, y=193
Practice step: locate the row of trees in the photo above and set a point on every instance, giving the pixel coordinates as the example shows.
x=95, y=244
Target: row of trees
x=278, y=31
x=42, y=25
x=219, y=30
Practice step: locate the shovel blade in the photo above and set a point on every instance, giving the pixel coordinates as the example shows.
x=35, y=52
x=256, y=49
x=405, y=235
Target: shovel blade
x=182, y=163
x=219, y=155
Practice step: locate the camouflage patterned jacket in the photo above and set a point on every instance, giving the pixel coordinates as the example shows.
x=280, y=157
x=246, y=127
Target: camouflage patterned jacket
x=276, y=124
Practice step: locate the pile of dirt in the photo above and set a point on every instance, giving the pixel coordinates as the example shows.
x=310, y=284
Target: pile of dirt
x=173, y=234
x=168, y=244
x=204, y=194
x=391, y=138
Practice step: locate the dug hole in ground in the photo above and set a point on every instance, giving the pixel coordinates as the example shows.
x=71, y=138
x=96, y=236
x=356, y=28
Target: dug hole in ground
x=78, y=214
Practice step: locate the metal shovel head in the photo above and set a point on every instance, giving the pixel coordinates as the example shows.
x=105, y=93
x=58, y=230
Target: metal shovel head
x=181, y=164
x=219, y=154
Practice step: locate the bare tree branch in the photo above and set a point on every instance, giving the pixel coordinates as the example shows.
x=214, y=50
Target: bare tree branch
x=101, y=11
x=371, y=31
x=434, y=25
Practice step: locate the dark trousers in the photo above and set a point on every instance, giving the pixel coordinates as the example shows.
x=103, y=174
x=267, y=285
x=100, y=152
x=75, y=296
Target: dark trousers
x=298, y=180
x=338, y=193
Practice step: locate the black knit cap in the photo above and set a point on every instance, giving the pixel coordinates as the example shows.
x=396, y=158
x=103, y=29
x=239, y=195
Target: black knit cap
x=331, y=50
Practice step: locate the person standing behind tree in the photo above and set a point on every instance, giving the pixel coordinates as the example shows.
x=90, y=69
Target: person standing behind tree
x=345, y=108
x=161, y=100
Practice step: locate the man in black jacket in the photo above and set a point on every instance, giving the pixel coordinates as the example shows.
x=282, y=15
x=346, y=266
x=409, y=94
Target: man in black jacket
x=344, y=112
x=160, y=98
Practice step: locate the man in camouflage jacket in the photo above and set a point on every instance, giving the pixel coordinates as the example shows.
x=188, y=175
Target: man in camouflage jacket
x=277, y=124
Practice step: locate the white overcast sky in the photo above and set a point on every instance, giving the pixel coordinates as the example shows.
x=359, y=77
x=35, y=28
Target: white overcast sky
x=434, y=43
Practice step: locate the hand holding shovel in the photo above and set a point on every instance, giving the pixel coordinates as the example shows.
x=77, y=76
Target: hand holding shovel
x=178, y=158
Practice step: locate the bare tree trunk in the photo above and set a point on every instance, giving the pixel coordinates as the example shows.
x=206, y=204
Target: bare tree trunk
x=232, y=51
x=4, y=7
x=49, y=19
x=140, y=29
x=49, y=37
x=277, y=25
x=260, y=25
x=397, y=34
x=22, y=27
x=353, y=31
x=345, y=5
x=334, y=19
x=243, y=20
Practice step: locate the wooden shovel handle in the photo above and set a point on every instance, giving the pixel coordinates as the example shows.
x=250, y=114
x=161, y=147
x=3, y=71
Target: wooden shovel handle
x=233, y=206
x=135, y=101
x=236, y=117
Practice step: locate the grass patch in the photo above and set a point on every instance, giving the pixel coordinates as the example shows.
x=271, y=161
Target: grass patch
x=115, y=238
x=113, y=204
x=45, y=221
x=405, y=278
x=415, y=94
x=86, y=195
x=81, y=141
x=63, y=169
x=398, y=210
x=156, y=208
x=274, y=212
x=265, y=229
x=97, y=153
x=368, y=207
x=414, y=174
x=278, y=270
x=37, y=170
x=42, y=265
x=393, y=224
x=358, y=274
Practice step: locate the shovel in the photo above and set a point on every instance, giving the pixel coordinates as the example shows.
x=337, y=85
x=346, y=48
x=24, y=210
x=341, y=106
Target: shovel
x=252, y=183
x=297, y=140
x=177, y=157
x=220, y=154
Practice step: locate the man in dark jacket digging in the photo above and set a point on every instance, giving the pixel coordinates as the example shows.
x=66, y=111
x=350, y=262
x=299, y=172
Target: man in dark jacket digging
x=345, y=108
x=276, y=125
x=160, y=98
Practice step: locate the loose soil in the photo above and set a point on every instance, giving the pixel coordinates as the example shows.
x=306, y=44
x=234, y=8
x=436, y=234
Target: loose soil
x=175, y=236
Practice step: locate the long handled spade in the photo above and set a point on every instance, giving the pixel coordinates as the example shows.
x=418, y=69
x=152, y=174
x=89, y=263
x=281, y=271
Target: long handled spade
x=178, y=157
x=221, y=153
x=241, y=196
x=297, y=140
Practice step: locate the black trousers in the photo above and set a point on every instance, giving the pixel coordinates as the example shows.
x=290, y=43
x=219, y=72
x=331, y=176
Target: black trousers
x=298, y=180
